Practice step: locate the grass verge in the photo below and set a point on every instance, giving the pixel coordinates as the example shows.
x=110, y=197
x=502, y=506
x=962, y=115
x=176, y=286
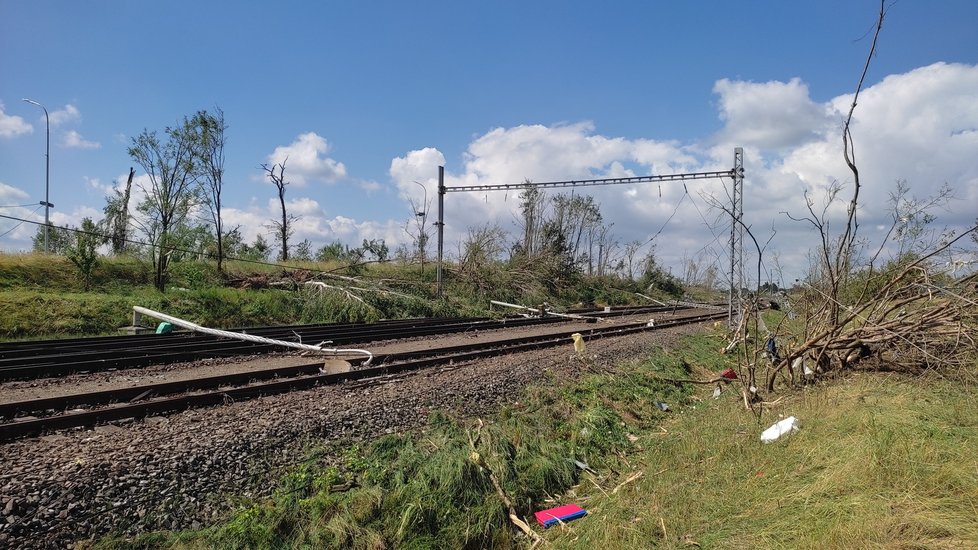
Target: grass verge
x=881, y=461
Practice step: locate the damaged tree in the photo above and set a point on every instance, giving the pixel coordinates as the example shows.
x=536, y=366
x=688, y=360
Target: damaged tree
x=909, y=315
x=283, y=229
x=116, y=221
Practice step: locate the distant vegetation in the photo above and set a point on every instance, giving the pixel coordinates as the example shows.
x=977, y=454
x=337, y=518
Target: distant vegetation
x=44, y=296
x=563, y=254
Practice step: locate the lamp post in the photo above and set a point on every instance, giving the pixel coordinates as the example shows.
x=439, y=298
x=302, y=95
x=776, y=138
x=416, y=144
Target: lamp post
x=47, y=173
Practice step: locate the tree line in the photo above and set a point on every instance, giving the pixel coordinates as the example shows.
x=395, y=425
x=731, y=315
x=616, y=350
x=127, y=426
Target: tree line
x=180, y=217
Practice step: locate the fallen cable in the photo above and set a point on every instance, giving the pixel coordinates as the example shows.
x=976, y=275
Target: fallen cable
x=137, y=310
x=544, y=312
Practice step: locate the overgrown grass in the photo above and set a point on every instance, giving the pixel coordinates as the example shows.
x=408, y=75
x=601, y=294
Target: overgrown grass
x=425, y=490
x=880, y=462
x=44, y=296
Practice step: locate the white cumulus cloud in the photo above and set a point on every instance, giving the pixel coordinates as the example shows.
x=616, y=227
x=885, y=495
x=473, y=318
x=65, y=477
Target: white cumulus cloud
x=10, y=194
x=416, y=174
x=306, y=160
x=69, y=114
x=12, y=125
x=771, y=115
x=74, y=140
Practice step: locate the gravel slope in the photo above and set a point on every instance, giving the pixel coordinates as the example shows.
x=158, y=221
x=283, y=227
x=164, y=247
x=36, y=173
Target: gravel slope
x=178, y=471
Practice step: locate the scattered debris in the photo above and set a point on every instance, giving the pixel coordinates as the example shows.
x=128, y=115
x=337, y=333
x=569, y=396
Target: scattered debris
x=729, y=374
x=164, y=328
x=559, y=514
x=716, y=392
x=545, y=311
x=475, y=457
x=578, y=343
x=780, y=428
x=582, y=466
x=662, y=406
x=336, y=366
x=630, y=479
x=771, y=349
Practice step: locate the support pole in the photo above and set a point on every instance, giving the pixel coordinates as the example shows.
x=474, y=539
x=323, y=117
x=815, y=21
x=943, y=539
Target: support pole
x=441, y=227
x=735, y=301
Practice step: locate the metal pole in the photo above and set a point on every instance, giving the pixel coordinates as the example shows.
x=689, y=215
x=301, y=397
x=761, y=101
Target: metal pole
x=47, y=173
x=441, y=227
x=736, y=238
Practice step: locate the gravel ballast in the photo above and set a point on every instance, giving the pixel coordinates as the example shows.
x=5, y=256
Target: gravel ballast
x=184, y=470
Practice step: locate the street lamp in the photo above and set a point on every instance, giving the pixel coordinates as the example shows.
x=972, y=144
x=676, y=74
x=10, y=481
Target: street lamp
x=47, y=173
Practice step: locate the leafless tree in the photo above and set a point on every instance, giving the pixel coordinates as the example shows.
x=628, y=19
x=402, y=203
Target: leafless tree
x=533, y=213
x=908, y=313
x=631, y=252
x=283, y=229
x=416, y=228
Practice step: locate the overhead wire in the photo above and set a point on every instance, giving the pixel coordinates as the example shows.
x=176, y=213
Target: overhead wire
x=674, y=211
x=7, y=232
x=716, y=236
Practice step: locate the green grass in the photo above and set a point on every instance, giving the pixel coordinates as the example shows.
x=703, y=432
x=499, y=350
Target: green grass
x=880, y=462
x=44, y=296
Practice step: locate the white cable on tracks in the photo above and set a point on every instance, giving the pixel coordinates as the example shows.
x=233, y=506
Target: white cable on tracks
x=246, y=337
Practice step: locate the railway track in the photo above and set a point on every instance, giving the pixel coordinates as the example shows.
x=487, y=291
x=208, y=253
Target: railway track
x=54, y=413
x=46, y=358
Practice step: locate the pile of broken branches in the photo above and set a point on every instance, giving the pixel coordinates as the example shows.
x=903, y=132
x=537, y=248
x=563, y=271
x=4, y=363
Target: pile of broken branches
x=918, y=320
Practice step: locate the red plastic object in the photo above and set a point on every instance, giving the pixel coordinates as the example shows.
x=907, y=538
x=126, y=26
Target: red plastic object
x=566, y=512
x=729, y=374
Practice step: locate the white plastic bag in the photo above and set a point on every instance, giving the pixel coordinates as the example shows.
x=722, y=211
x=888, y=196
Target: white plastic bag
x=780, y=428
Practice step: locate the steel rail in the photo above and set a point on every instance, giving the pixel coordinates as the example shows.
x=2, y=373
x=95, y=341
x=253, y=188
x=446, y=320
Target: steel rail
x=387, y=365
x=105, y=397
x=11, y=409
x=41, y=359
x=10, y=349
x=52, y=361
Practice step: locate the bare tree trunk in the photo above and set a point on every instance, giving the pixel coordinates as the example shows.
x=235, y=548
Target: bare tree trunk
x=121, y=228
x=285, y=224
x=284, y=228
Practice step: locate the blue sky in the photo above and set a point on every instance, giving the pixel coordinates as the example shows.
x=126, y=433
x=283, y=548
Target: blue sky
x=366, y=97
